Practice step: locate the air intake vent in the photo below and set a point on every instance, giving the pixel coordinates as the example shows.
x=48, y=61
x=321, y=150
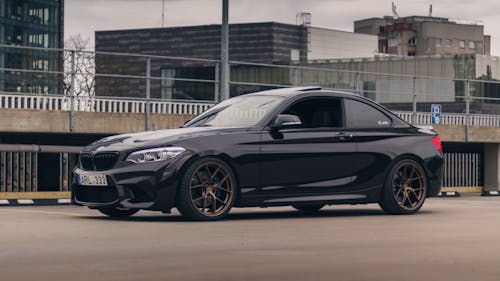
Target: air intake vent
x=98, y=162
x=87, y=162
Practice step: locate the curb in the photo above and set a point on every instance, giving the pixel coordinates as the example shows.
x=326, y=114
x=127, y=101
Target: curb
x=449, y=194
x=34, y=202
x=491, y=193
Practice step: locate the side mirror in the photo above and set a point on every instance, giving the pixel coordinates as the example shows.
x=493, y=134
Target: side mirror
x=286, y=121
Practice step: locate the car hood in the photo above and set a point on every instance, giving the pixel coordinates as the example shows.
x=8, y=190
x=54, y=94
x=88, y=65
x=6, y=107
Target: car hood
x=153, y=138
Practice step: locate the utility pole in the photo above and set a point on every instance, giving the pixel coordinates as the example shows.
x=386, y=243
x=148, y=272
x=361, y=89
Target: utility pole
x=162, y=13
x=224, y=65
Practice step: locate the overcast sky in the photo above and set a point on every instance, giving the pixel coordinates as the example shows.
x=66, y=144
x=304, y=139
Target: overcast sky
x=86, y=16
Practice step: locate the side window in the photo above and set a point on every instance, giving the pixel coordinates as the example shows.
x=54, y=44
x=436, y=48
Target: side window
x=362, y=115
x=318, y=112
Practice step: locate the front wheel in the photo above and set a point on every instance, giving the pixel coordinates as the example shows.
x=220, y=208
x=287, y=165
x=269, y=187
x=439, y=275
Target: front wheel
x=117, y=212
x=405, y=188
x=207, y=191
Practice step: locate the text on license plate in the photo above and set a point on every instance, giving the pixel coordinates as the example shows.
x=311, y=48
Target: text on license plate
x=92, y=180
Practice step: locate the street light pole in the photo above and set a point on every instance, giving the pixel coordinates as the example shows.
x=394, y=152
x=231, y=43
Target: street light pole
x=224, y=66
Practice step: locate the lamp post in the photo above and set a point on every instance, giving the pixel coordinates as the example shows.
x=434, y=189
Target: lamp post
x=224, y=65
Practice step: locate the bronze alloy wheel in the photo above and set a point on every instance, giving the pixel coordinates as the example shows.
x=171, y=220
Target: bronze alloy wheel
x=409, y=185
x=211, y=189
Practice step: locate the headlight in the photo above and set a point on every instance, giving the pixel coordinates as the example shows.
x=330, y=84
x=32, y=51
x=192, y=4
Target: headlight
x=155, y=154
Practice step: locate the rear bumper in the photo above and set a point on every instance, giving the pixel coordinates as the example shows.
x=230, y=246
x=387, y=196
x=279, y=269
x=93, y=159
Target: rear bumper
x=435, y=168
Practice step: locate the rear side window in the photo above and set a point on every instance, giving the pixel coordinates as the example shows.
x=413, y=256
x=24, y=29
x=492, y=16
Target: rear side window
x=362, y=115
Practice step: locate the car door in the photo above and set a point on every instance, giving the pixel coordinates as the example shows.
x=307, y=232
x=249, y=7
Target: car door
x=376, y=139
x=312, y=159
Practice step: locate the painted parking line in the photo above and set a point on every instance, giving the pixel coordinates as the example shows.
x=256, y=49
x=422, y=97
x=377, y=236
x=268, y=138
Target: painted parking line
x=42, y=212
x=25, y=201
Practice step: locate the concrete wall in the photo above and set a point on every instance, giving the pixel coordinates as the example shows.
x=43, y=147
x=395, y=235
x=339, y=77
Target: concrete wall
x=430, y=31
x=491, y=167
x=38, y=121
x=332, y=44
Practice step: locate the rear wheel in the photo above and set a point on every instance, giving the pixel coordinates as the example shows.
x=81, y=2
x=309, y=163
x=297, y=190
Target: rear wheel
x=309, y=208
x=405, y=188
x=207, y=191
x=118, y=212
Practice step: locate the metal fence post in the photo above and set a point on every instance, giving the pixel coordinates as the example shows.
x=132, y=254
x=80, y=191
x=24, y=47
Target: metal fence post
x=357, y=84
x=414, y=110
x=72, y=93
x=467, y=109
x=295, y=76
x=148, y=93
x=217, y=96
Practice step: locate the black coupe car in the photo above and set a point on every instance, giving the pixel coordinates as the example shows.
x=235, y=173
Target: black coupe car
x=304, y=147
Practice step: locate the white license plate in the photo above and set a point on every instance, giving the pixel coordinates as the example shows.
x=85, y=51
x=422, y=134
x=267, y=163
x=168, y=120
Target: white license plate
x=92, y=179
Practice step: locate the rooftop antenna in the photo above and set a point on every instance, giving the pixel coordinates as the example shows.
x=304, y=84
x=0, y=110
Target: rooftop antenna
x=303, y=18
x=394, y=12
x=162, y=13
x=430, y=10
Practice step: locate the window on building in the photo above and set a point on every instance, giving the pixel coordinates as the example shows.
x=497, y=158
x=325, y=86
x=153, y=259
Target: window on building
x=393, y=42
x=412, y=41
x=472, y=45
x=448, y=43
x=294, y=55
x=172, y=88
x=462, y=44
x=381, y=29
x=167, y=83
x=411, y=53
x=438, y=42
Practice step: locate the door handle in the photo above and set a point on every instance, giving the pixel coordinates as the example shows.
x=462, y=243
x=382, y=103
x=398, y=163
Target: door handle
x=345, y=136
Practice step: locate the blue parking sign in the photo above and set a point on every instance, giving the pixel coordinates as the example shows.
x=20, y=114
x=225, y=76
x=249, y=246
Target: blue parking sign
x=436, y=114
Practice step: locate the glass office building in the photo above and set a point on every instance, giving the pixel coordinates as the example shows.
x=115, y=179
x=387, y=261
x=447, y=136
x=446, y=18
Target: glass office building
x=31, y=23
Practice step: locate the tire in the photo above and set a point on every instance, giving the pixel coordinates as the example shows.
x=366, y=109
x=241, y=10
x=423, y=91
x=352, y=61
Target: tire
x=310, y=208
x=207, y=191
x=118, y=213
x=405, y=188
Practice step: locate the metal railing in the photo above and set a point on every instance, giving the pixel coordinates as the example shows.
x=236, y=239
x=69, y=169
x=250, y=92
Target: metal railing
x=424, y=118
x=130, y=105
x=101, y=104
x=33, y=168
x=463, y=170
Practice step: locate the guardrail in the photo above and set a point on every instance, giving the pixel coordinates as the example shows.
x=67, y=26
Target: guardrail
x=101, y=104
x=452, y=119
x=138, y=105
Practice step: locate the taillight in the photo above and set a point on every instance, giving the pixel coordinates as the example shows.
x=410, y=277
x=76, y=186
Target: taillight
x=437, y=143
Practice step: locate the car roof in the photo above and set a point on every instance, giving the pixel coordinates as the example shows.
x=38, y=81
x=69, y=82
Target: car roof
x=318, y=91
x=296, y=91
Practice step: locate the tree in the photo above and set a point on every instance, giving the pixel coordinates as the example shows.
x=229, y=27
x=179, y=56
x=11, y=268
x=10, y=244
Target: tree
x=84, y=66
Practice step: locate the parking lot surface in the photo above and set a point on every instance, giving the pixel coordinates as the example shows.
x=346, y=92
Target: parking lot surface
x=450, y=239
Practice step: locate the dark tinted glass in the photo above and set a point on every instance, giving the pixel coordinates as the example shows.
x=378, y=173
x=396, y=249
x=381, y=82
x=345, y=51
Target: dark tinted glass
x=363, y=115
x=318, y=112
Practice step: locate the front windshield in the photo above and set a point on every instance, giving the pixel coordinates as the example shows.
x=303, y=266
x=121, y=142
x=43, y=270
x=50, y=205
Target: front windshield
x=237, y=112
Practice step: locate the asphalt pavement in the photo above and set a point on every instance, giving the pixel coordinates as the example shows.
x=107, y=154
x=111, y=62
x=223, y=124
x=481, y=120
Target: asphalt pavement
x=450, y=239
